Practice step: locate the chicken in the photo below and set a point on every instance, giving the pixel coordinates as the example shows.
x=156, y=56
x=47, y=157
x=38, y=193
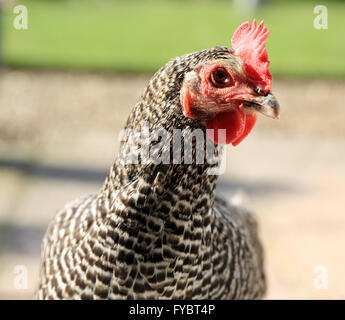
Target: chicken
x=156, y=228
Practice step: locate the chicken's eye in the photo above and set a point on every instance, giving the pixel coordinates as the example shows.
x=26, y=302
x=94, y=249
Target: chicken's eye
x=260, y=92
x=220, y=78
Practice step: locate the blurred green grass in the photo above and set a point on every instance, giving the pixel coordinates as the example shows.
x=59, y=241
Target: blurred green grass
x=141, y=36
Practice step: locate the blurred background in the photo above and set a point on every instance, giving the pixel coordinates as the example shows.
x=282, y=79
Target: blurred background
x=71, y=72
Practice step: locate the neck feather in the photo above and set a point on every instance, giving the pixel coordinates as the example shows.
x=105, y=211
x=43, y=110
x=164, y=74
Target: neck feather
x=185, y=155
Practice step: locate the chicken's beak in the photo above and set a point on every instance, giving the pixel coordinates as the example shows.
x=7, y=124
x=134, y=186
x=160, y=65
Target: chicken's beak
x=267, y=105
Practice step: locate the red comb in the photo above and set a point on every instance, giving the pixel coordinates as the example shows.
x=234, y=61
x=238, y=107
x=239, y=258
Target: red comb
x=249, y=43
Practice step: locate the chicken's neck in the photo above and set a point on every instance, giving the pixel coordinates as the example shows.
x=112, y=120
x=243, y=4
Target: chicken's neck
x=168, y=201
x=172, y=171
x=182, y=163
x=172, y=156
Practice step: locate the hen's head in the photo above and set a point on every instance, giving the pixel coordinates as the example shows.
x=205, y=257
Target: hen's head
x=227, y=92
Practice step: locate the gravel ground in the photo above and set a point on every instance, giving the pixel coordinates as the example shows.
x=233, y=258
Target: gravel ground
x=58, y=137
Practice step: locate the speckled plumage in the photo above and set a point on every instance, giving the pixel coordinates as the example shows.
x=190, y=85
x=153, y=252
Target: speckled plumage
x=155, y=230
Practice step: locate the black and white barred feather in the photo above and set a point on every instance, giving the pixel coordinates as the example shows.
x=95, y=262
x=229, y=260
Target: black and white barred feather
x=155, y=231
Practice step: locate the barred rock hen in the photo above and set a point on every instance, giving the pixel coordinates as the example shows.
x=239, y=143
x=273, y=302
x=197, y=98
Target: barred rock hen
x=156, y=229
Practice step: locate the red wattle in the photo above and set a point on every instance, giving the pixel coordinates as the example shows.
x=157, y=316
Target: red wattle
x=250, y=122
x=233, y=121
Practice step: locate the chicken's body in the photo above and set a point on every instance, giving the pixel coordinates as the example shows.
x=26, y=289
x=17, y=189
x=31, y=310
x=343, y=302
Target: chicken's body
x=155, y=230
